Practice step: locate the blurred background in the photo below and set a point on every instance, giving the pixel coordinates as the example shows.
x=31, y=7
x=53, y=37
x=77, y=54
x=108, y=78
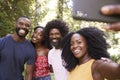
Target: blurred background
x=42, y=11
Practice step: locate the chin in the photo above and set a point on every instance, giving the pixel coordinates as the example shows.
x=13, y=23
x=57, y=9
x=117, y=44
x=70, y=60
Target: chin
x=77, y=56
x=22, y=36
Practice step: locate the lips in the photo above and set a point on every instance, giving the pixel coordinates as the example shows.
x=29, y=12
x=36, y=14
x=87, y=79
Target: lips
x=54, y=40
x=21, y=31
x=76, y=51
x=34, y=38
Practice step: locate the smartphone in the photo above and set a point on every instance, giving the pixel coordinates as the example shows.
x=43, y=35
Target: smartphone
x=89, y=10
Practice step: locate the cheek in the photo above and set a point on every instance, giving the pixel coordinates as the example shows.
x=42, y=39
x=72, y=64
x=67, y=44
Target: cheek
x=50, y=36
x=28, y=28
x=40, y=39
x=84, y=48
x=18, y=25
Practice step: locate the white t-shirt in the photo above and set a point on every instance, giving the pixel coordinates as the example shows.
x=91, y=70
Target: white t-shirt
x=54, y=58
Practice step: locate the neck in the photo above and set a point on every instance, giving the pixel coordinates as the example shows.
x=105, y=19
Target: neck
x=84, y=59
x=17, y=38
x=58, y=47
x=38, y=45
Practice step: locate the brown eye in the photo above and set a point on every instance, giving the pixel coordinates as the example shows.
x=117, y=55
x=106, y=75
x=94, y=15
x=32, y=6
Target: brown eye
x=79, y=42
x=20, y=23
x=27, y=25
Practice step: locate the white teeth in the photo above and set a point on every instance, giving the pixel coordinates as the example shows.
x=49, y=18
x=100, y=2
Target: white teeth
x=76, y=51
x=34, y=38
x=22, y=31
x=54, y=40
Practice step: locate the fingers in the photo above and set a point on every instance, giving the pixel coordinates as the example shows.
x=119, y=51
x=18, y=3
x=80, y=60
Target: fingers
x=114, y=27
x=106, y=59
x=111, y=9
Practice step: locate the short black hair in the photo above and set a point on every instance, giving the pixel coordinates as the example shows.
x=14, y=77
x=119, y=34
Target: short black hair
x=23, y=17
x=58, y=24
x=96, y=46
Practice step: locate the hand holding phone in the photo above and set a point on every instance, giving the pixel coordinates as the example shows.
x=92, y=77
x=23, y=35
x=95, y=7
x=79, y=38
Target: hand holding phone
x=90, y=10
x=112, y=10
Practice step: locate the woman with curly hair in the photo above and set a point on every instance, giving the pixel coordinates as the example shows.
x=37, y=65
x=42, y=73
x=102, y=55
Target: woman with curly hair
x=82, y=54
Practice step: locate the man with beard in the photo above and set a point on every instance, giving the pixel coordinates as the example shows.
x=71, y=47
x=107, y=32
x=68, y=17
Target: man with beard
x=15, y=51
x=55, y=31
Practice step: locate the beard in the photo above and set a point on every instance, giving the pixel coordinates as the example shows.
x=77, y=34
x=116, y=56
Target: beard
x=56, y=44
x=19, y=34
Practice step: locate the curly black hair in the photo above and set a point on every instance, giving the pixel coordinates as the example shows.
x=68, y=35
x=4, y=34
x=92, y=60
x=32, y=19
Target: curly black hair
x=96, y=42
x=56, y=23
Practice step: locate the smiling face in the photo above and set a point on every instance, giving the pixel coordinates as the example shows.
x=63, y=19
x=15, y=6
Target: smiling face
x=55, y=37
x=22, y=26
x=38, y=36
x=78, y=45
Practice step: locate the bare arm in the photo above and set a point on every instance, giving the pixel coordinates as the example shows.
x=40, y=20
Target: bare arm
x=29, y=72
x=51, y=69
x=109, y=70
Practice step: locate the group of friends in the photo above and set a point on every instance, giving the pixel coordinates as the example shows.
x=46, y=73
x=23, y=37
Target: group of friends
x=69, y=55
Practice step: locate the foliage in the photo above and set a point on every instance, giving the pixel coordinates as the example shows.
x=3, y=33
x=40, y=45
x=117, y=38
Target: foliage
x=116, y=58
x=10, y=11
x=40, y=14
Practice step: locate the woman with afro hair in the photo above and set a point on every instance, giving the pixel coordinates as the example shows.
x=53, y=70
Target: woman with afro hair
x=82, y=54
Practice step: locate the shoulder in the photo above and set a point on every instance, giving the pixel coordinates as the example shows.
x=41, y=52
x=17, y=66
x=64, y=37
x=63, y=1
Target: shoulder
x=4, y=39
x=97, y=67
x=99, y=63
x=103, y=62
x=105, y=69
x=29, y=47
x=29, y=44
x=46, y=50
x=103, y=65
x=51, y=51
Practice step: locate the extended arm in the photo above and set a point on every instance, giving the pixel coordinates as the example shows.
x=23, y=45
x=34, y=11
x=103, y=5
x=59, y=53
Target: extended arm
x=109, y=70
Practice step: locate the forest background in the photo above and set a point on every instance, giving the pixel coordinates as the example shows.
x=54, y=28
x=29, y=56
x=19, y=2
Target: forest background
x=42, y=11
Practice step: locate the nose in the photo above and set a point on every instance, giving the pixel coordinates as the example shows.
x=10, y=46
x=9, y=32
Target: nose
x=74, y=45
x=53, y=36
x=23, y=26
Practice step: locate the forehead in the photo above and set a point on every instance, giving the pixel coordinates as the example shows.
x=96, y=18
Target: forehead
x=77, y=36
x=23, y=19
x=39, y=30
x=54, y=30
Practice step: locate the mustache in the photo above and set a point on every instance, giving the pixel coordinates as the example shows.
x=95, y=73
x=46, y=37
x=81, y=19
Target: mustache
x=17, y=31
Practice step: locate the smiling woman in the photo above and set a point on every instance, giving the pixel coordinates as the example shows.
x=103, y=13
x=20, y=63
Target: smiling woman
x=82, y=54
x=41, y=69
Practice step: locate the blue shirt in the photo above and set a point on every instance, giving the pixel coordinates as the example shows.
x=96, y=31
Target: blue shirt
x=13, y=56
